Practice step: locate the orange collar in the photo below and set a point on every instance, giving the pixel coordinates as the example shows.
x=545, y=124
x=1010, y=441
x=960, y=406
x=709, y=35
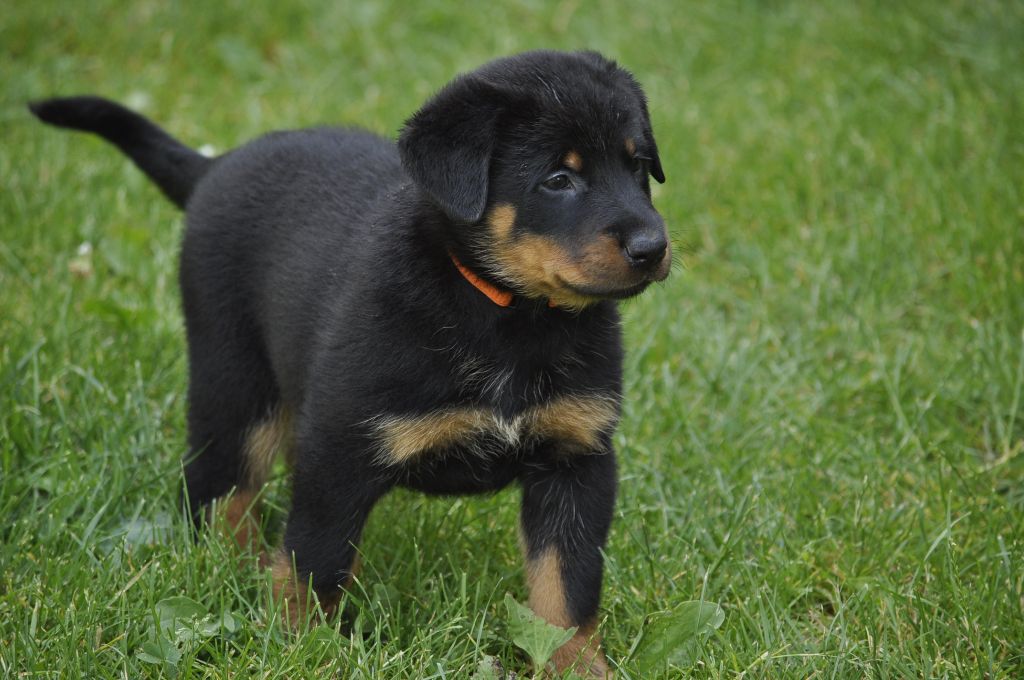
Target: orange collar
x=502, y=298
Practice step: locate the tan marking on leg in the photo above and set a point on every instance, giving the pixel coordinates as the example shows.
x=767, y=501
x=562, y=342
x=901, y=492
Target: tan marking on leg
x=547, y=593
x=583, y=654
x=243, y=517
x=289, y=591
x=578, y=420
x=237, y=516
x=354, y=570
x=573, y=161
x=294, y=594
x=630, y=146
x=263, y=442
x=547, y=600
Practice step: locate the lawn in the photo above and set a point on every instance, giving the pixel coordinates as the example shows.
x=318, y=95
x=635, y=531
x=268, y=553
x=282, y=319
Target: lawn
x=824, y=416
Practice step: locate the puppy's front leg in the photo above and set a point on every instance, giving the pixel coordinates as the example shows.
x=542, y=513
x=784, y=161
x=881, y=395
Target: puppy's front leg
x=334, y=490
x=566, y=513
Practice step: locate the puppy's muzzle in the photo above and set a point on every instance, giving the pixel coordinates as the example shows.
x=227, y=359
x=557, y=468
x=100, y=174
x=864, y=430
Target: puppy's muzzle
x=644, y=246
x=645, y=251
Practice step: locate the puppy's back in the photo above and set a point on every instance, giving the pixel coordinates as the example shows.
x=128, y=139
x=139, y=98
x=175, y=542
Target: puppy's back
x=286, y=217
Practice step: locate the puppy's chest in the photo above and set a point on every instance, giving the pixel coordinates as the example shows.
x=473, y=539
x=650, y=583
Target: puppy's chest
x=575, y=422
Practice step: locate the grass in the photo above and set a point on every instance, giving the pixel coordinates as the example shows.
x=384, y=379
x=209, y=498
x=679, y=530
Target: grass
x=824, y=425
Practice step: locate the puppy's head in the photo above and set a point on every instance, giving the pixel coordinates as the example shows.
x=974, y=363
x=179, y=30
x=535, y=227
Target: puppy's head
x=542, y=161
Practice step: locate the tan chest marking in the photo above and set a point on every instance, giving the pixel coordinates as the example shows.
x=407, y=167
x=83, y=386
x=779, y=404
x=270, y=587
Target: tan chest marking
x=579, y=420
x=576, y=420
x=403, y=438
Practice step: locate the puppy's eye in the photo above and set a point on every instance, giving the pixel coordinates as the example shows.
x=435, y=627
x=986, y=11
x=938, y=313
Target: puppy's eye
x=639, y=165
x=557, y=182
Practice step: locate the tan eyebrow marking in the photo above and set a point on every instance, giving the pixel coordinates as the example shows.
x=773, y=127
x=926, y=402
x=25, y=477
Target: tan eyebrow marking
x=630, y=146
x=573, y=161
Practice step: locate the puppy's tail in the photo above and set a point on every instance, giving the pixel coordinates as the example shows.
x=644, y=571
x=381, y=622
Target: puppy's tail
x=174, y=167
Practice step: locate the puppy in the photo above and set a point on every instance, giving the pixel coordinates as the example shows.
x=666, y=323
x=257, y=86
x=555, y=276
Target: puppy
x=439, y=315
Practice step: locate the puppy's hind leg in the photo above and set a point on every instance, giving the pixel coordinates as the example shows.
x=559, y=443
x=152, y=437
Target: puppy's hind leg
x=235, y=427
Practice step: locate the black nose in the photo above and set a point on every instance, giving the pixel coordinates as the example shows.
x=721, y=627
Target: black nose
x=644, y=250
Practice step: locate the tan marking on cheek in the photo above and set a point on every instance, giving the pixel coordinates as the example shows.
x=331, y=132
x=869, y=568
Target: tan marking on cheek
x=262, y=444
x=540, y=267
x=531, y=263
x=501, y=220
x=540, y=259
x=548, y=601
x=404, y=438
x=630, y=146
x=237, y=516
x=603, y=263
x=576, y=419
x=573, y=161
x=294, y=595
x=600, y=265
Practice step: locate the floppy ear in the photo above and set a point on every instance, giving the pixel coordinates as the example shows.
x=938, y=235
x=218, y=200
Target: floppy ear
x=656, y=171
x=446, y=147
x=648, y=133
x=637, y=92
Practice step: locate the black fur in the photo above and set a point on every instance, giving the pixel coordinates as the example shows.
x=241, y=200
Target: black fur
x=174, y=167
x=316, y=273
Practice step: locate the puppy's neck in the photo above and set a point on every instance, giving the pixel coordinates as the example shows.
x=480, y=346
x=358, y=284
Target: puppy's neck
x=499, y=296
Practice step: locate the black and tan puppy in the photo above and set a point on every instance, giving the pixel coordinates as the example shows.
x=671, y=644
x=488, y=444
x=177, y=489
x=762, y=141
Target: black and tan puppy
x=438, y=315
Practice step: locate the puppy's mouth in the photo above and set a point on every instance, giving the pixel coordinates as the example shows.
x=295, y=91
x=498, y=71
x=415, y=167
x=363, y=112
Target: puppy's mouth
x=604, y=292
